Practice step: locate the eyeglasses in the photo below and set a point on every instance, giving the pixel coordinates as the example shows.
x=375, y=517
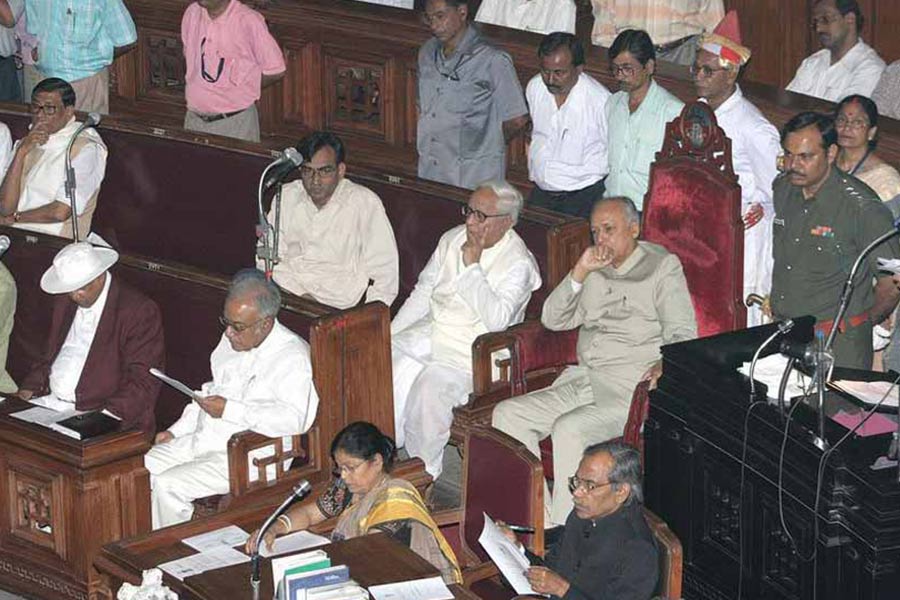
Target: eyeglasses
x=206, y=76
x=624, y=70
x=325, y=172
x=435, y=17
x=239, y=327
x=479, y=216
x=586, y=485
x=344, y=470
x=824, y=20
x=844, y=122
x=705, y=70
x=47, y=109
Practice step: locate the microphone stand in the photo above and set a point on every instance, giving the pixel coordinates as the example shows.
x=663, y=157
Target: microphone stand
x=92, y=121
x=269, y=236
x=300, y=491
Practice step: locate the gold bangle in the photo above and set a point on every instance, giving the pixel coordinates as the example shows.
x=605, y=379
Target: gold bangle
x=287, y=522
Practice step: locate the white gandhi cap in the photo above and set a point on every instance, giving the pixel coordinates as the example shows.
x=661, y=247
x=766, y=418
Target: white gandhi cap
x=75, y=266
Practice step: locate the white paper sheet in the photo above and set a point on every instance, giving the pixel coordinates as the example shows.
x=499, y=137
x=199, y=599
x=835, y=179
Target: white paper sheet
x=174, y=383
x=506, y=555
x=769, y=371
x=40, y=415
x=204, y=561
x=870, y=392
x=432, y=588
x=294, y=542
x=226, y=537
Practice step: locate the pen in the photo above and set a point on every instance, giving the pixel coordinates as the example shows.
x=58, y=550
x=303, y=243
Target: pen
x=520, y=528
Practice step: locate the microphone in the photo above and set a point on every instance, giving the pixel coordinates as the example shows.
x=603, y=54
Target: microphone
x=4, y=244
x=805, y=353
x=289, y=160
x=299, y=492
x=783, y=328
x=92, y=120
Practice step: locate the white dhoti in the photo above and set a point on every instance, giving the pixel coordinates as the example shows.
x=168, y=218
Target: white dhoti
x=178, y=477
x=758, y=265
x=569, y=413
x=425, y=393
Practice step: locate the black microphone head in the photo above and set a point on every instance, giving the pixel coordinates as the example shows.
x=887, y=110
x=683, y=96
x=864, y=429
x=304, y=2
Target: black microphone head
x=293, y=156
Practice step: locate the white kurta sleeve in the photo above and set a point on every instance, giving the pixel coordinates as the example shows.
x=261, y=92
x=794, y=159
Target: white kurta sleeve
x=380, y=257
x=90, y=167
x=418, y=305
x=763, y=149
x=187, y=422
x=498, y=306
x=864, y=79
x=291, y=409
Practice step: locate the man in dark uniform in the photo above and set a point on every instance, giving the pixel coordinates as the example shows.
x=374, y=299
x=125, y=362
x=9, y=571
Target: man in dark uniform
x=823, y=220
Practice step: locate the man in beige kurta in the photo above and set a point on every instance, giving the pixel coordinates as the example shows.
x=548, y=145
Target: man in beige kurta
x=628, y=297
x=334, y=235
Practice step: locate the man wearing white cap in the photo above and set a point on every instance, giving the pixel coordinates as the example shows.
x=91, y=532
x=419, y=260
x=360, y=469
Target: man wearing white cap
x=103, y=339
x=755, y=147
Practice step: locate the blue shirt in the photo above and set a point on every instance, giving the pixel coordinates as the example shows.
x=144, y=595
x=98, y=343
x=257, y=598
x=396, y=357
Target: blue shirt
x=77, y=37
x=635, y=138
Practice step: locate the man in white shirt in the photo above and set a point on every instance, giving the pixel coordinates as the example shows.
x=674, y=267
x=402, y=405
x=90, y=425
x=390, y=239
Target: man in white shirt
x=334, y=236
x=479, y=279
x=102, y=340
x=261, y=381
x=540, y=16
x=755, y=147
x=845, y=65
x=567, y=157
x=32, y=195
x=674, y=25
x=10, y=13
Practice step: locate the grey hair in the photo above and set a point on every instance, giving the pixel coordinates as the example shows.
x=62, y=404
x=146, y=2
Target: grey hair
x=252, y=283
x=631, y=212
x=509, y=199
x=626, y=467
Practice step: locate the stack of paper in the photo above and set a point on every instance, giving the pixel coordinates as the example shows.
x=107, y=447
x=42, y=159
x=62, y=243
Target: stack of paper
x=432, y=588
x=216, y=550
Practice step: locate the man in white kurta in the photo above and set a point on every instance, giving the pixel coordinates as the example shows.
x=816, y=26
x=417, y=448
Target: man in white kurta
x=539, y=16
x=479, y=279
x=627, y=298
x=261, y=381
x=32, y=195
x=845, y=65
x=755, y=148
x=334, y=235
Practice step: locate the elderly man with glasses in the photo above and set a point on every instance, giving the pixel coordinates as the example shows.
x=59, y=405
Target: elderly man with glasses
x=628, y=298
x=606, y=549
x=479, y=279
x=334, y=237
x=261, y=381
x=229, y=57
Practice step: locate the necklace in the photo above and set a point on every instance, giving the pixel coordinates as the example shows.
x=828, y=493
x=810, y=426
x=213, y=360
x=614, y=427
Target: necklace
x=860, y=163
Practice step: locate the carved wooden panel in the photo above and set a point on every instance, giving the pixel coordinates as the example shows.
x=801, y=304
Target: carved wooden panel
x=721, y=519
x=781, y=568
x=164, y=64
x=35, y=505
x=354, y=98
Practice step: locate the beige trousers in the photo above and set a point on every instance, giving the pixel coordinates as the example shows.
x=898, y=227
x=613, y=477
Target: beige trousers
x=91, y=93
x=242, y=126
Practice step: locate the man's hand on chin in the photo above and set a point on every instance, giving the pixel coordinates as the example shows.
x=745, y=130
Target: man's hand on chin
x=213, y=405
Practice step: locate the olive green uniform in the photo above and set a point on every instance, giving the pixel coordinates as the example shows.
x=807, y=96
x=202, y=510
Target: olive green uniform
x=816, y=241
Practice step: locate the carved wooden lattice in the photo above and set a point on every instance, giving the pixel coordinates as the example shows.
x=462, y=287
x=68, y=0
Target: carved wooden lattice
x=34, y=501
x=165, y=60
x=357, y=94
x=723, y=517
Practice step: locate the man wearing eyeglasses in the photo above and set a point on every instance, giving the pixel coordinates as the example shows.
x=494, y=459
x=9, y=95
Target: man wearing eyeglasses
x=470, y=101
x=479, y=279
x=637, y=116
x=229, y=56
x=845, y=65
x=606, y=550
x=334, y=236
x=627, y=298
x=32, y=195
x=755, y=148
x=261, y=381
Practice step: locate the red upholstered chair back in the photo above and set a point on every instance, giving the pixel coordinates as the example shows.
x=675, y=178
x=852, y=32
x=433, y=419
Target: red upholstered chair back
x=503, y=479
x=693, y=209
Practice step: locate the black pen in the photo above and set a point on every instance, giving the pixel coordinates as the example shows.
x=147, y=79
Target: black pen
x=520, y=528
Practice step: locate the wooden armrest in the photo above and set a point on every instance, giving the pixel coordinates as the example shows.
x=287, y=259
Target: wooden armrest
x=479, y=572
x=450, y=516
x=242, y=444
x=483, y=349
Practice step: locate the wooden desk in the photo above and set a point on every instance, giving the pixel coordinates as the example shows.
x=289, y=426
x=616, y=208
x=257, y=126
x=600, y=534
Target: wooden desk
x=61, y=500
x=373, y=560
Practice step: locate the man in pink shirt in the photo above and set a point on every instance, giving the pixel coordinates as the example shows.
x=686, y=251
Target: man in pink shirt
x=230, y=57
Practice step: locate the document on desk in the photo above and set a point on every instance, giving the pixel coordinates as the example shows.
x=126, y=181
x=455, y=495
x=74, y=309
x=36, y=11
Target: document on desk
x=506, y=555
x=204, y=561
x=432, y=588
x=300, y=540
x=226, y=537
x=40, y=415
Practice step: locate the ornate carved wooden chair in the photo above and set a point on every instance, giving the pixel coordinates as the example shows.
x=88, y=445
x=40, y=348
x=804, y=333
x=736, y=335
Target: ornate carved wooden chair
x=503, y=479
x=692, y=208
x=671, y=558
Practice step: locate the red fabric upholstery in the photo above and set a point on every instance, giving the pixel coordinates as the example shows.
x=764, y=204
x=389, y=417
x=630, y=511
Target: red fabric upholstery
x=539, y=348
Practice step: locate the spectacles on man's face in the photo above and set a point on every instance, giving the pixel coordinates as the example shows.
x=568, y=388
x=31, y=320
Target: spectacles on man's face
x=480, y=217
x=47, y=109
x=239, y=327
x=308, y=172
x=824, y=20
x=585, y=485
x=206, y=76
x=625, y=70
x=705, y=70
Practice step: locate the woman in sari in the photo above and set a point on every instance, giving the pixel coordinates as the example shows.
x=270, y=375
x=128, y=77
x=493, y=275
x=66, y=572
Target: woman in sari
x=856, y=122
x=366, y=499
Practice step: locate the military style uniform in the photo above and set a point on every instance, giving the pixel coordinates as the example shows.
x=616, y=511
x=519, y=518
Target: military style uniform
x=463, y=101
x=816, y=242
